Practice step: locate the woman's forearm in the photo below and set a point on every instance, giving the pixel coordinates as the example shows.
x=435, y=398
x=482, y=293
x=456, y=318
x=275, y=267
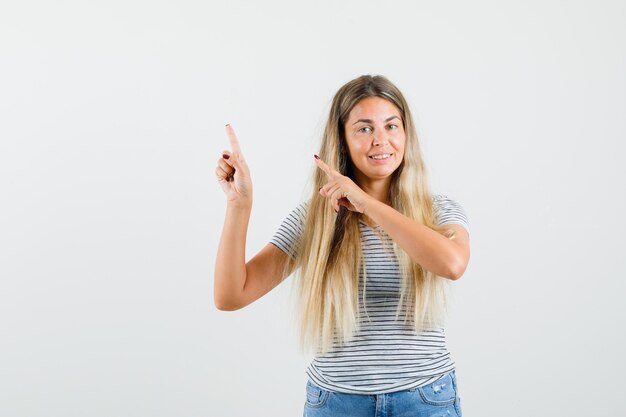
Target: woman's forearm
x=230, y=264
x=430, y=249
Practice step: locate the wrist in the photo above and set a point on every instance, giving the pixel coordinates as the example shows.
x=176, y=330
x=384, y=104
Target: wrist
x=370, y=205
x=240, y=207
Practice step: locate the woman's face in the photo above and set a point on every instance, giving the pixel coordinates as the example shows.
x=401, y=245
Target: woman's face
x=374, y=129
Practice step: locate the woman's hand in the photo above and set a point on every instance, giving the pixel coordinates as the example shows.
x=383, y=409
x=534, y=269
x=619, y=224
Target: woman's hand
x=233, y=173
x=342, y=191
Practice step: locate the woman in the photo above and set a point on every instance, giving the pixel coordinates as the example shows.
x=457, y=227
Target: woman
x=370, y=245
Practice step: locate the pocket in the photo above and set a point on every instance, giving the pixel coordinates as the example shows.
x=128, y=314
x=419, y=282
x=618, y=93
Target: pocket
x=440, y=392
x=315, y=396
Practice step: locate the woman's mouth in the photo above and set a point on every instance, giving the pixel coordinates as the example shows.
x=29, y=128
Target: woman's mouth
x=380, y=157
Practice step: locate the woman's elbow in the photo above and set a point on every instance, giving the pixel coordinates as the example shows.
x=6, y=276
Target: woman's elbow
x=225, y=305
x=457, y=270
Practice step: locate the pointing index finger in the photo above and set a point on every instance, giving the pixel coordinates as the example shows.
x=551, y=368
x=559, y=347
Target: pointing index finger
x=234, y=143
x=322, y=165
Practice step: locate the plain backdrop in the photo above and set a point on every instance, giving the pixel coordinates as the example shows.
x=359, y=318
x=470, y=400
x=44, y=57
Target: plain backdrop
x=112, y=119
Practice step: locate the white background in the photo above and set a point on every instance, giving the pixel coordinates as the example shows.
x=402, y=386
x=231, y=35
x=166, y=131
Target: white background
x=111, y=121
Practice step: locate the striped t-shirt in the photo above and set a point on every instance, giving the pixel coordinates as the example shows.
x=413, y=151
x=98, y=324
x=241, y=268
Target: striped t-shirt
x=385, y=354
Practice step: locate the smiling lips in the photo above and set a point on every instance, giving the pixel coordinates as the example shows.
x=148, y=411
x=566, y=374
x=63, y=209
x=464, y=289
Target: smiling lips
x=380, y=156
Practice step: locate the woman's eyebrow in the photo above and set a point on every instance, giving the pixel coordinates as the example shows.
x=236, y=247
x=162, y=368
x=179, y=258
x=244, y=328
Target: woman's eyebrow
x=371, y=121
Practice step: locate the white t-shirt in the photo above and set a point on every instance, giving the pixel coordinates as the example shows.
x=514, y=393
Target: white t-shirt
x=385, y=354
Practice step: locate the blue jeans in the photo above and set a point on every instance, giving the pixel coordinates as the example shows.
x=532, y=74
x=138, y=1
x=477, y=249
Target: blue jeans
x=438, y=398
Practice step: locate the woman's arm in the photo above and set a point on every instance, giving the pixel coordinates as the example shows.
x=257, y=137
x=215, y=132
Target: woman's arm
x=230, y=264
x=433, y=251
x=238, y=283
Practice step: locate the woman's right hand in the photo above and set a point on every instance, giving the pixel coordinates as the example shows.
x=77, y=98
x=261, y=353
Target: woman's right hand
x=233, y=173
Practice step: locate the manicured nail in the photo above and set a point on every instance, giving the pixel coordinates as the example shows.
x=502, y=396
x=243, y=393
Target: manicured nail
x=316, y=157
x=225, y=156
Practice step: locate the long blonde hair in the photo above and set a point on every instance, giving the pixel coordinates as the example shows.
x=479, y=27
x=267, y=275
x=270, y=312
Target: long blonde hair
x=329, y=249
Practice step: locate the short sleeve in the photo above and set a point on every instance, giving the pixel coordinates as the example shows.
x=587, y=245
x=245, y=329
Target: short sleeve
x=448, y=211
x=287, y=236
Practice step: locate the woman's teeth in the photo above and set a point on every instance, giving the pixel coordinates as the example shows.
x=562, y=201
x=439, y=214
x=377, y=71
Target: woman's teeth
x=383, y=156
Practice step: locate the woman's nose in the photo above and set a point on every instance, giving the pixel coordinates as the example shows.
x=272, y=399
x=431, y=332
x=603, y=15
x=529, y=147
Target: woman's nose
x=379, y=139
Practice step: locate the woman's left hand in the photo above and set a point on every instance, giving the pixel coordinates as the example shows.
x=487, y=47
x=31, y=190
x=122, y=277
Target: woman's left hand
x=342, y=191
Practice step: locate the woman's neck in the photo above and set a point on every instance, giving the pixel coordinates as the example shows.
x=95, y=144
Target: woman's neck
x=379, y=189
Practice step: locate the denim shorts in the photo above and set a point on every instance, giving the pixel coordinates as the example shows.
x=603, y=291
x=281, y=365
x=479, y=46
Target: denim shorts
x=439, y=398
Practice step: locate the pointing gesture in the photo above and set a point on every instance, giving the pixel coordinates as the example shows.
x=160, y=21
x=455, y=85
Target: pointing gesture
x=233, y=174
x=341, y=190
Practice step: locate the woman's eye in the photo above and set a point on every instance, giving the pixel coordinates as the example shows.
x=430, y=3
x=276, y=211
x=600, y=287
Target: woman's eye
x=393, y=126
x=362, y=129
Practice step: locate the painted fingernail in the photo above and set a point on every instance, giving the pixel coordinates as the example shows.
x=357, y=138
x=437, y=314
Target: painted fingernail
x=316, y=157
x=225, y=156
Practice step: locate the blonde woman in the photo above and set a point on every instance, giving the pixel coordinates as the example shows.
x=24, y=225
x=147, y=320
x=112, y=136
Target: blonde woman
x=374, y=251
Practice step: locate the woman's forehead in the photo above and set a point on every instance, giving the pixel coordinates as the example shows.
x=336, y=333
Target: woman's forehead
x=374, y=109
